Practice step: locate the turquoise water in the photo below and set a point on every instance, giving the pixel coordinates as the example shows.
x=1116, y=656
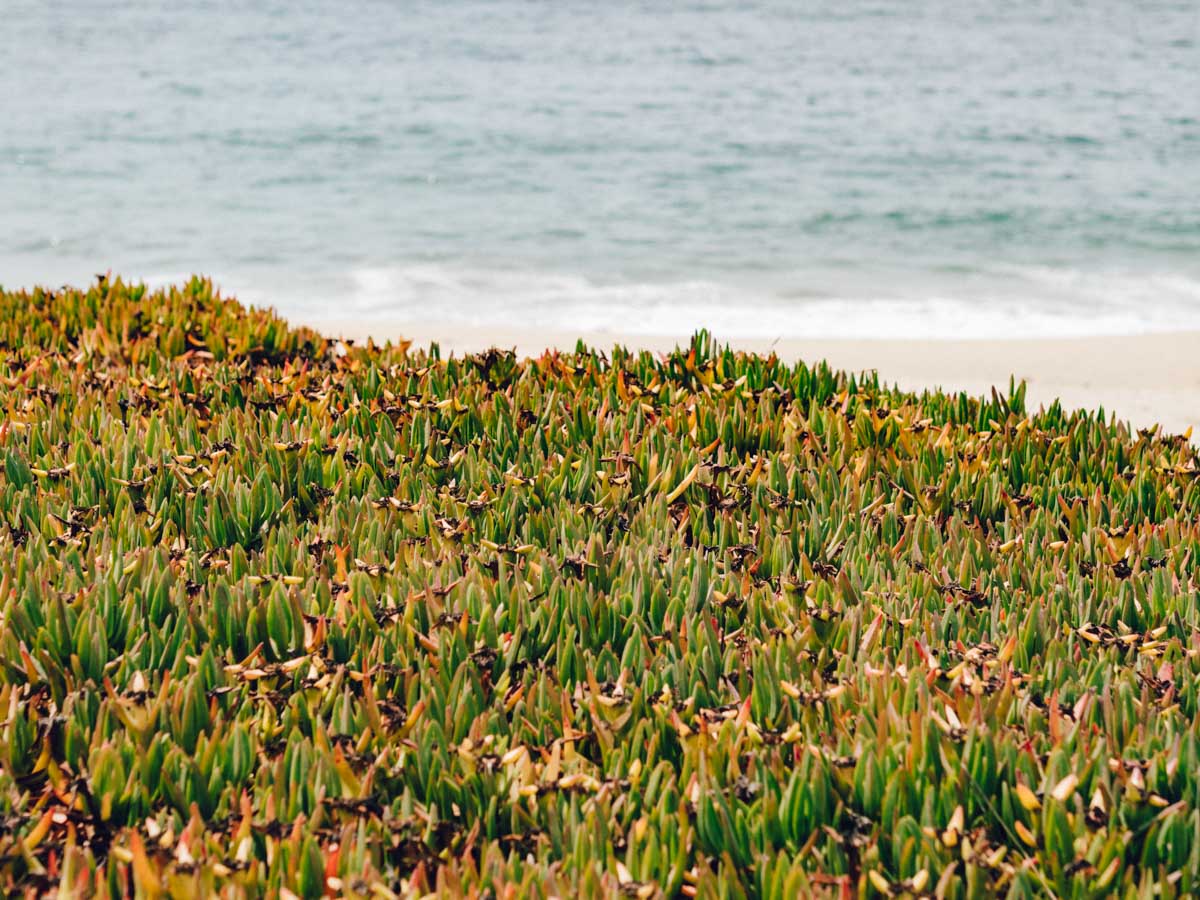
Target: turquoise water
x=760, y=168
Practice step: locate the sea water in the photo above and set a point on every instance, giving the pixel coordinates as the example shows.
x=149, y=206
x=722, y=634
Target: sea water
x=840, y=167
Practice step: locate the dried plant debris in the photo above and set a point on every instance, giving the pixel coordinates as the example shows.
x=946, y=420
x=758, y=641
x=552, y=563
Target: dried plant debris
x=288, y=616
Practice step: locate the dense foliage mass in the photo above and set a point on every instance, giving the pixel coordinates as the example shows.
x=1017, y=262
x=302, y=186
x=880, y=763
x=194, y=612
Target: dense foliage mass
x=280, y=614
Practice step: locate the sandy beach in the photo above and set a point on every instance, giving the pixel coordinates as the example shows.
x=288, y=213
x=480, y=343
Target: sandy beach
x=1144, y=379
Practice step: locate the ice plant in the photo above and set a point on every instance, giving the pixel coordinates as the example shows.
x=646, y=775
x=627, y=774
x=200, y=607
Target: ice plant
x=284, y=614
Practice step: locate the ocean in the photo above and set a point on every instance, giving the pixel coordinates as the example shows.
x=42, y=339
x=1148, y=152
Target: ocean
x=791, y=169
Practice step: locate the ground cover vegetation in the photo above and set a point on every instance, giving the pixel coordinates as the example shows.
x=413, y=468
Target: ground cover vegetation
x=279, y=614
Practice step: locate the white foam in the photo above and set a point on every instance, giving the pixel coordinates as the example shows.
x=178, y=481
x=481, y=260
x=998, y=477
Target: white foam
x=1007, y=302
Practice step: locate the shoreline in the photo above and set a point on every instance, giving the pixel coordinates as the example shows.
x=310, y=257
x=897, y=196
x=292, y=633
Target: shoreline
x=1145, y=379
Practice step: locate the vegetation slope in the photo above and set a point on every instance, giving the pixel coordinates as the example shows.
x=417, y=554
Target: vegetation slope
x=282, y=615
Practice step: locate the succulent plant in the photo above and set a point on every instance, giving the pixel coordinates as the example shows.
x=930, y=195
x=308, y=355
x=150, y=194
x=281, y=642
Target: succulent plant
x=283, y=615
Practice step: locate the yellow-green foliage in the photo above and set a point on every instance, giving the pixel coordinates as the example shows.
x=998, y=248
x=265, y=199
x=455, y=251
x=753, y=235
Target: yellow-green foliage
x=278, y=614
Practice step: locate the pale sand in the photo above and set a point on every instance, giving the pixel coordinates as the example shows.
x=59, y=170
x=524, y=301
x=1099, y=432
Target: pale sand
x=1144, y=379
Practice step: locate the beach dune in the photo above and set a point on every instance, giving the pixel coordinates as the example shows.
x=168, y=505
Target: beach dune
x=1144, y=379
